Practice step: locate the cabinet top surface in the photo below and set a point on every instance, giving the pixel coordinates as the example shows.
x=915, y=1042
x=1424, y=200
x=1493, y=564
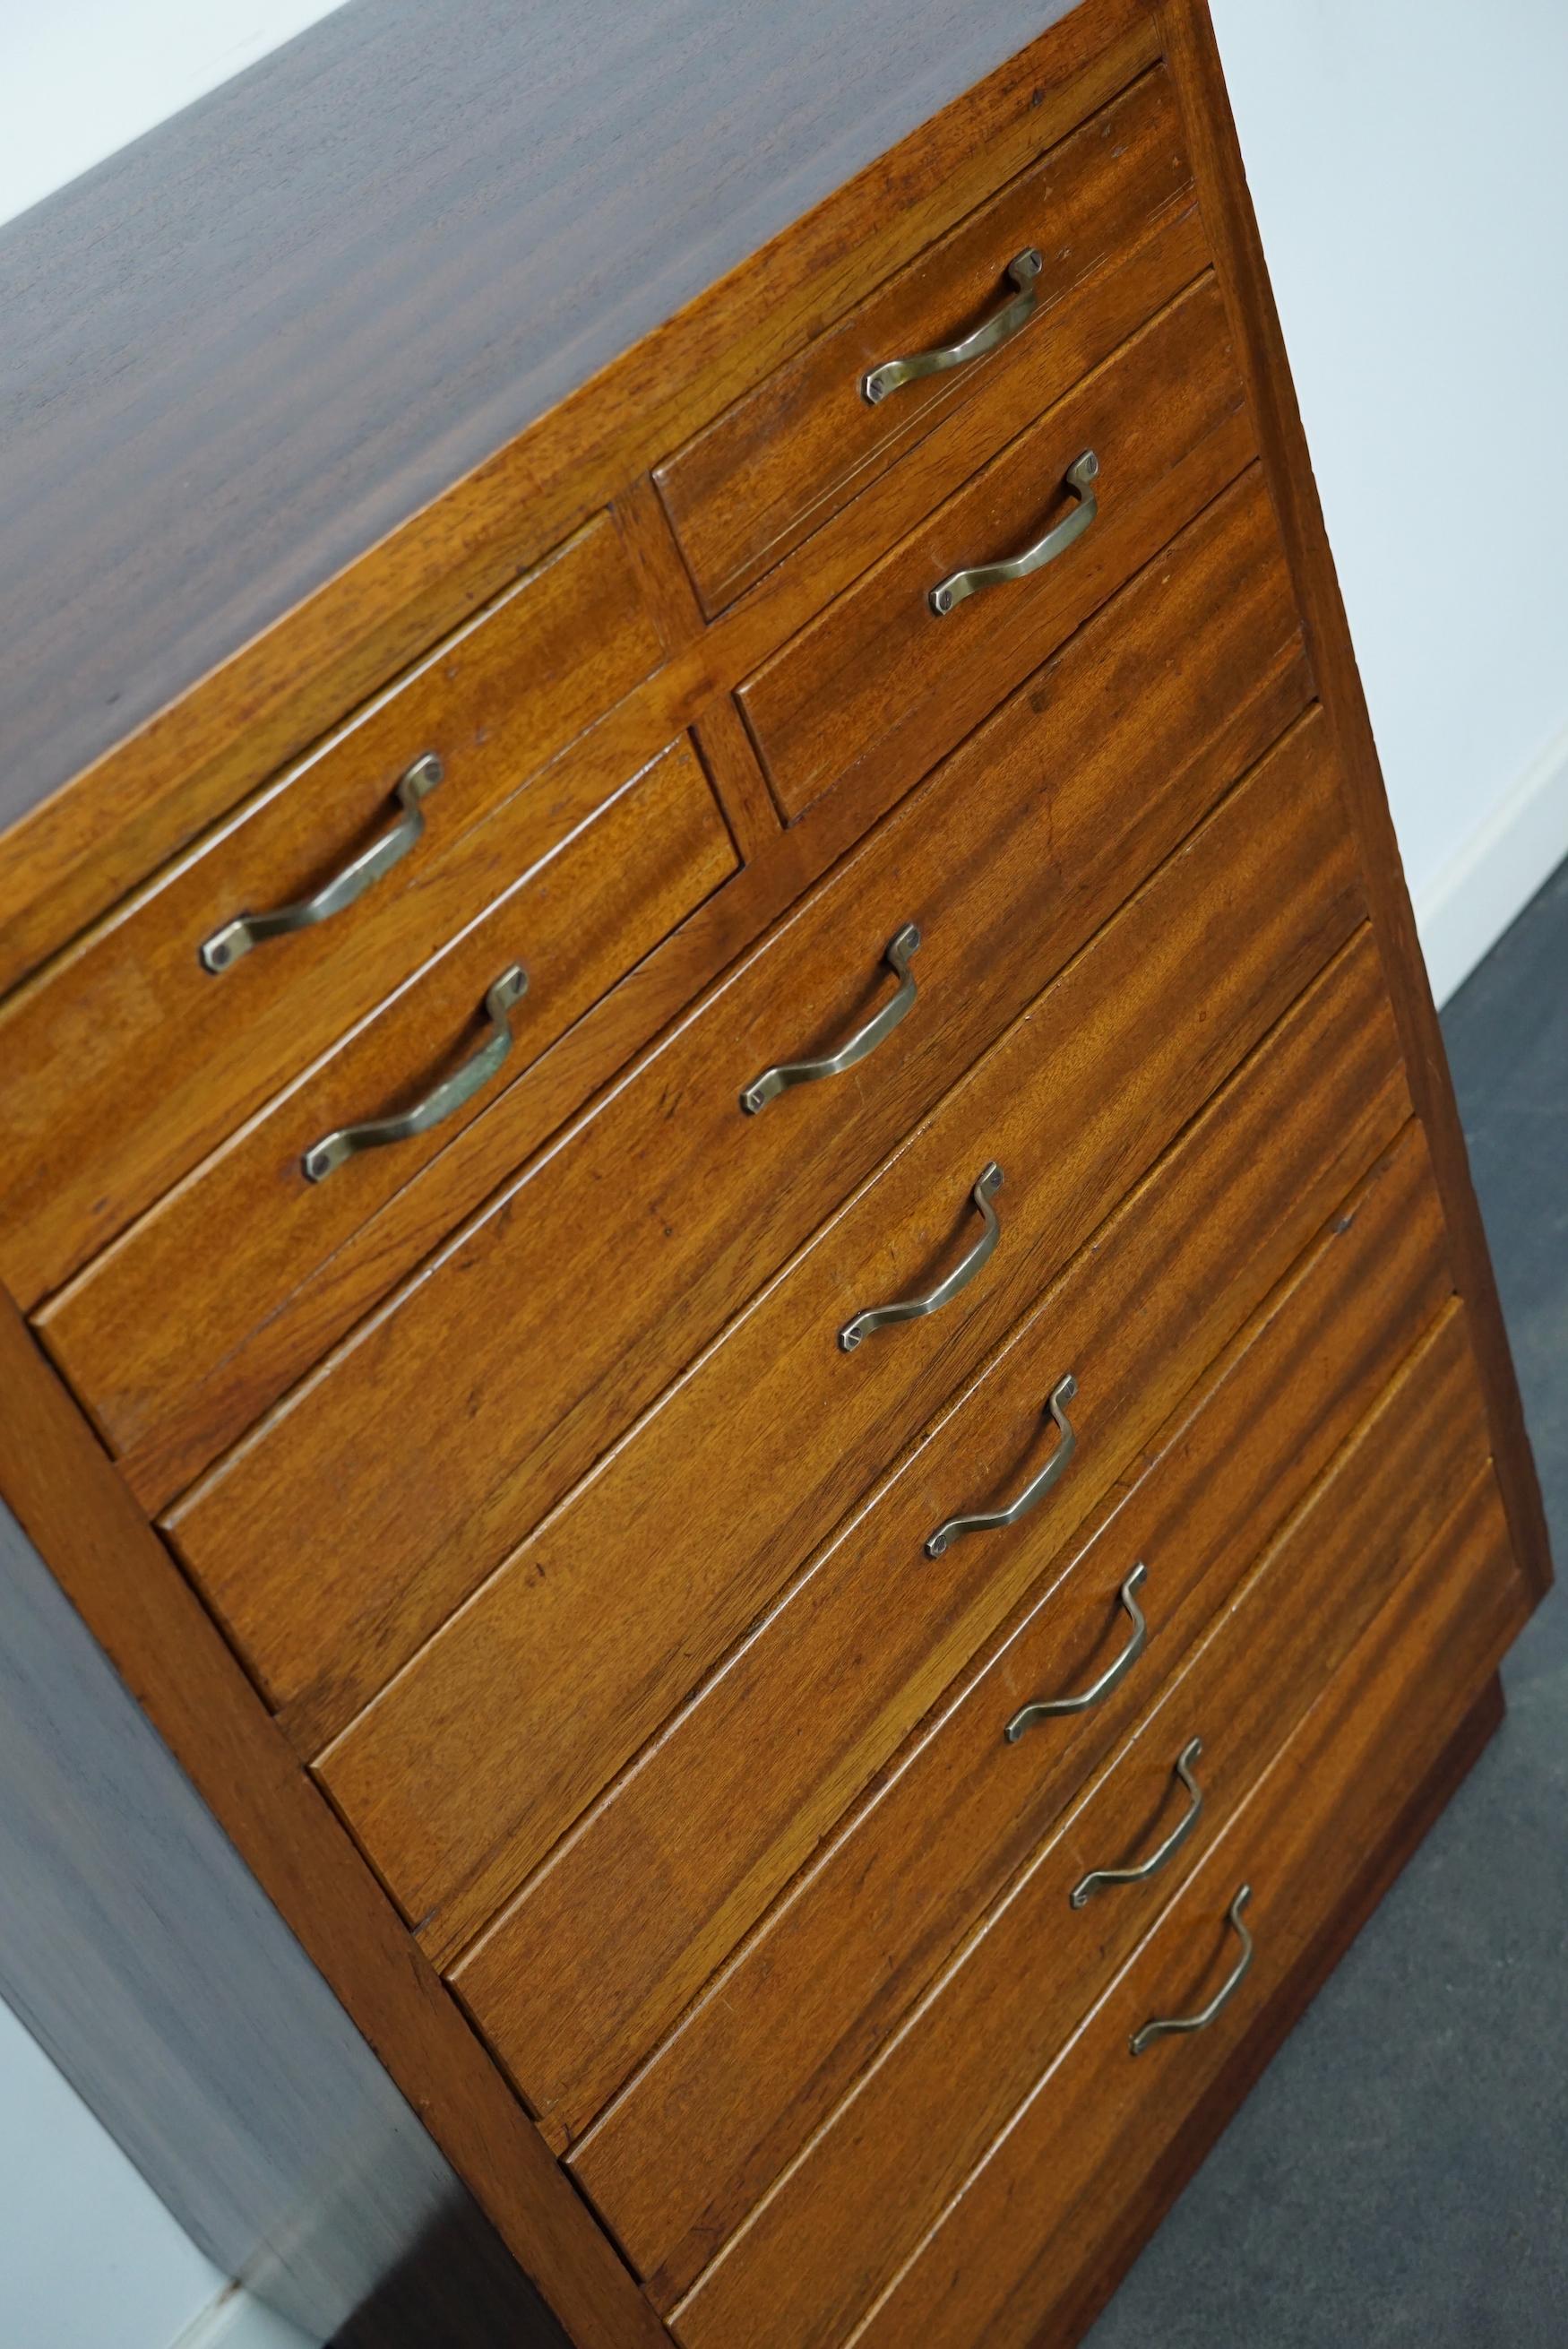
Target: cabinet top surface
x=241, y=351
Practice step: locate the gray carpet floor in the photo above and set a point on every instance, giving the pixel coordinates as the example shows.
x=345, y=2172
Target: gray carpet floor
x=1400, y=2173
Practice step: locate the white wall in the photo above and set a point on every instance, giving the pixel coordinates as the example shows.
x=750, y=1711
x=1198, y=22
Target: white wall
x=1409, y=167
x=89, y=2257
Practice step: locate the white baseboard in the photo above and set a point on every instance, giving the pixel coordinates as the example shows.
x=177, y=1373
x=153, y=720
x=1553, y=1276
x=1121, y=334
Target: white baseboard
x=236, y=2321
x=1491, y=877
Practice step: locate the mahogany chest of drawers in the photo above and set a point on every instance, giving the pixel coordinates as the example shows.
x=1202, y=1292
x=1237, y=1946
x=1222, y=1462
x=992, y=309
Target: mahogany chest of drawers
x=739, y=1271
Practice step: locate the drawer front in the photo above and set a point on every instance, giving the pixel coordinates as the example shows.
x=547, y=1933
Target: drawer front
x=152, y=1333
x=346, y=1530
x=876, y=2177
x=446, y=1772
x=792, y=452
x=1327, y=1089
x=674, y=2165
x=1013, y=2258
x=127, y=1060
x=878, y=685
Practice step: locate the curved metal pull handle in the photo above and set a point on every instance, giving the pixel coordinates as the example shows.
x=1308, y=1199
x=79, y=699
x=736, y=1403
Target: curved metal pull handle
x=226, y=945
x=1080, y=477
x=1172, y=1844
x=904, y=943
x=1046, y=1708
x=1162, y=2023
x=915, y=1309
x=983, y=1521
x=441, y=1101
x=989, y=336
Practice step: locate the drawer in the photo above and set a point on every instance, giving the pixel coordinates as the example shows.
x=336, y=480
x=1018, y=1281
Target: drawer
x=674, y=2164
x=392, y=1482
x=446, y=1773
x=780, y=461
x=877, y=2176
x=127, y=1060
x=151, y=1333
x=878, y=685
x=1015, y=2256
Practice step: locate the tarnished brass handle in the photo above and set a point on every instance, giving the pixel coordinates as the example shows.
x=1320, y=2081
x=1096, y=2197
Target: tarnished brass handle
x=442, y=1100
x=1000, y=328
x=1164, y=2023
x=1097, y=1876
x=226, y=945
x=1081, y=475
x=983, y=1521
x=904, y=943
x=915, y=1309
x=1049, y=1708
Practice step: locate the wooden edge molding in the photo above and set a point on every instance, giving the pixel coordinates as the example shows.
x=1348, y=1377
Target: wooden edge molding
x=1191, y=47
x=65, y=1494
x=92, y=840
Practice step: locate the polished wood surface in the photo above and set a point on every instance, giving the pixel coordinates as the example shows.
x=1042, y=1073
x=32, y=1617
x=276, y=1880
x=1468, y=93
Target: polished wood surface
x=773, y=467
x=148, y=1331
x=1121, y=1312
x=814, y=1991
x=878, y=2176
x=878, y=682
x=156, y=709
x=1094, y=2122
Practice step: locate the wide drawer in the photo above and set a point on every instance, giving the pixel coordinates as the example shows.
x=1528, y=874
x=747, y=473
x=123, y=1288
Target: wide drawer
x=129, y=1057
x=790, y=454
x=1015, y=2256
x=602, y=1626
x=676, y=2164
x=878, y=2175
x=152, y=1333
x=392, y=1482
x=878, y=684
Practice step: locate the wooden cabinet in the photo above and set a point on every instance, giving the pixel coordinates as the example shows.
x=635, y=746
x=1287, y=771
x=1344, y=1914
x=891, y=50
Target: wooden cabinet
x=753, y=1307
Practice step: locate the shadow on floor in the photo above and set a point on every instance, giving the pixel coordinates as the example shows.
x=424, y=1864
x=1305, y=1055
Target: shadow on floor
x=1400, y=2174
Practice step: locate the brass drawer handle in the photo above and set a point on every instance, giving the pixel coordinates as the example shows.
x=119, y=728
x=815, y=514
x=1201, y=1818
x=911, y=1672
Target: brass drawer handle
x=247, y=930
x=441, y=1101
x=1080, y=477
x=983, y=1521
x=989, y=336
x=1162, y=2023
x=1047, y=1708
x=915, y=1309
x=904, y=943
x=1172, y=1844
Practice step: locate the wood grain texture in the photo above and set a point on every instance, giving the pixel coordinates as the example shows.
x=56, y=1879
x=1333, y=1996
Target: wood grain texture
x=777, y=464
x=875, y=2178
x=1092, y=2126
x=1188, y=36
x=127, y=1060
x=878, y=682
x=66, y=1496
x=313, y=345
x=143, y=1957
x=960, y=860
x=1156, y=1295
x=147, y=1334
x=675, y=2164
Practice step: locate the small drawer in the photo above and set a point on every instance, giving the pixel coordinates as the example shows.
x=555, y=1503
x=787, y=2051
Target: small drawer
x=1016, y=2255
x=787, y=457
x=448, y=1775
x=152, y=1334
x=129, y=1056
x=880, y=683
x=875, y=2178
x=863, y=1915
x=328, y=1543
